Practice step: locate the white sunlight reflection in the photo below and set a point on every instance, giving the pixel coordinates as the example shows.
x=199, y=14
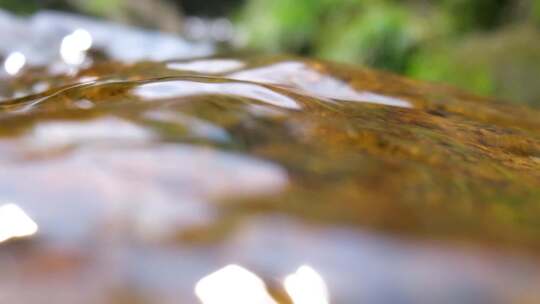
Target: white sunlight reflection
x=306, y=286
x=232, y=284
x=14, y=63
x=209, y=66
x=15, y=223
x=74, y=46
x=309, y=79
x=182, y=88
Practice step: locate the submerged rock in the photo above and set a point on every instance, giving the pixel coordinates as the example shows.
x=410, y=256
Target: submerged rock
x=147, y=178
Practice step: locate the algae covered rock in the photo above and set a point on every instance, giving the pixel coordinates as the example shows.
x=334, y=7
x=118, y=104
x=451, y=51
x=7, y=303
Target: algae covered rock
x=254, y=179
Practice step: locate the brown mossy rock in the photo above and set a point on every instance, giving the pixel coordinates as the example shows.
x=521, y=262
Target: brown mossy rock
x=359, y=147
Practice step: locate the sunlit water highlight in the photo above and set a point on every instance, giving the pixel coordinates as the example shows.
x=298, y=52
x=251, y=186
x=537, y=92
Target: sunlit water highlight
x=233, y=284
x=74, y=46
x=14, y=63
x=306, y=286
x=15, y=223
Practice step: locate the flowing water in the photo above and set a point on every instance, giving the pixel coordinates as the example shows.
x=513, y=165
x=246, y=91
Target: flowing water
x=136, y=182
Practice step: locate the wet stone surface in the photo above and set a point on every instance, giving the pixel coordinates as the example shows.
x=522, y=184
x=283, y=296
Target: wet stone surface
x=146, y=177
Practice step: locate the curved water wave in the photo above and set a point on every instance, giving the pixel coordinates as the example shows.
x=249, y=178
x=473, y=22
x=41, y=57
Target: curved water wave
x=181, y=88
x=308, y=79
x=277, y=83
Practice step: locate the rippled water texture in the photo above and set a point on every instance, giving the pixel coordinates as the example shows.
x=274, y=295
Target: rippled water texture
x=256, y=179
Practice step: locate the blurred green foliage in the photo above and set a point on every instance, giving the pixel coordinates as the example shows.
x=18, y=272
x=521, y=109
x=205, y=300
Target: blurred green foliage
x=25, y=7
x=471, y=15
x=384, y=36
x=371, y=32
x=536, y=11
x=101, y=7
x=19, y=7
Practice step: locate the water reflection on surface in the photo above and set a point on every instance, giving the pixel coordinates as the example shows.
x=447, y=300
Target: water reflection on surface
x=14, y=63
x=207, y=66
x=232, y=284
x=306, y=286
x=311, y=81
x=61, y=133
x=180, y=88
x=15, y=223
x=235, y=284
x=42, y=35
x=357, y=267
x=152, y=193
x=74, y=46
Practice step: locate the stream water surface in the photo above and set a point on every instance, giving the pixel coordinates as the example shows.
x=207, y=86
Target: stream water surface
x=253, y=179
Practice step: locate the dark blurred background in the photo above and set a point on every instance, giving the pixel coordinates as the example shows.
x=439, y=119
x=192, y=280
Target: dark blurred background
x=491, y=47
